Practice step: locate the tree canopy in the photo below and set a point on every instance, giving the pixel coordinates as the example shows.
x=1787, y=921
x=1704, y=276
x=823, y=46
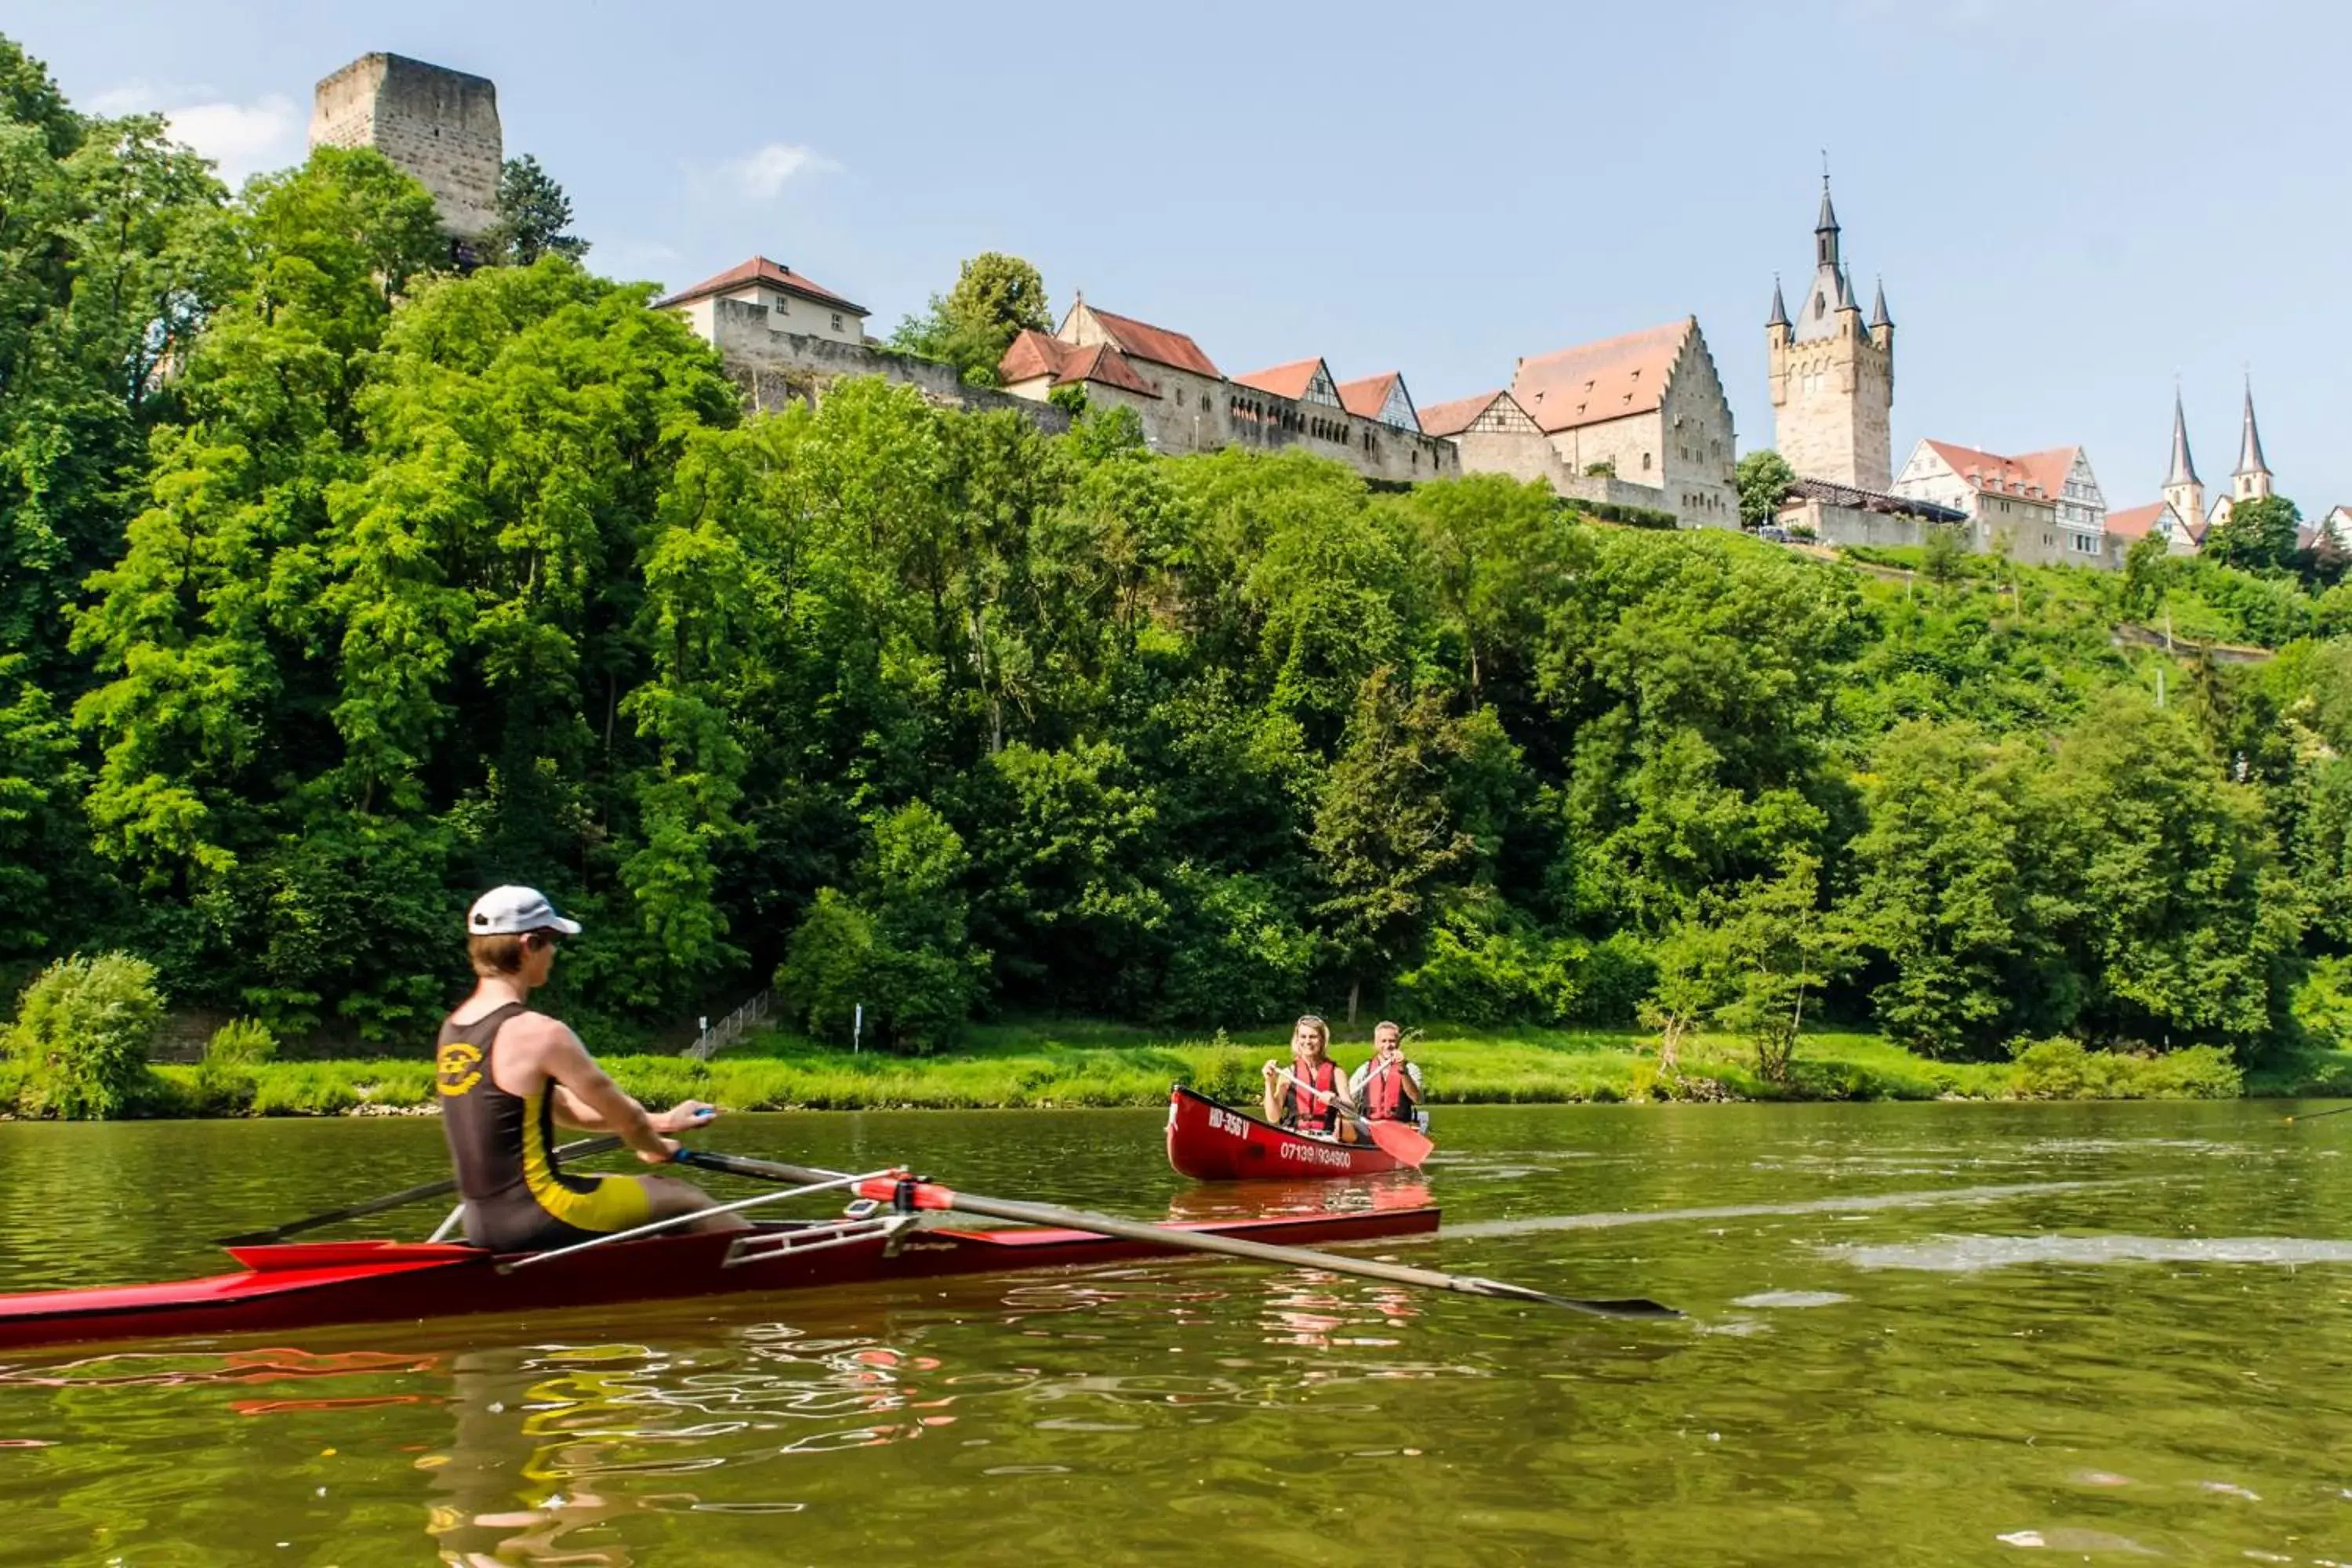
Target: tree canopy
x=995, y=297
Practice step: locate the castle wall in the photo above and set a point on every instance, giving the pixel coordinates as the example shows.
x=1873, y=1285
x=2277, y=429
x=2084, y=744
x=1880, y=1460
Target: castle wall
x=776, y=368
x=438, y=125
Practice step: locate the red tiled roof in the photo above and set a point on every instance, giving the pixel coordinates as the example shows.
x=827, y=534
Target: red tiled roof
x=1143, y=341
x=2049, y=469
x=1991, y=471
x=1104, y=364
x=1366, y=398
x=1031, y=354
x=1453, y=418
x=2133, y=523
x=1289, y=381
x=759, y=269
x=1607, y=379
x=1035, y=353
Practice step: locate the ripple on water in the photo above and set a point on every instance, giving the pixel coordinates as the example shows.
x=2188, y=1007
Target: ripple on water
x=2078, y=1541
x=1793, y=1298
x=1974, y=1254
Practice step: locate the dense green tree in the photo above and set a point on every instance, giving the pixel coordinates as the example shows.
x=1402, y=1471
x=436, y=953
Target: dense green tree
x=2184, y=922
x=1949, y=897
x=1763, y=478
x=2258, y=535
x=995, y=297
x=1383, y=836
x=534, y=218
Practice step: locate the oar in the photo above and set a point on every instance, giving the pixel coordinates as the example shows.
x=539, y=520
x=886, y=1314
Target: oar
x=2317, y=1114
x=1408, y=1145
x=930, y=1195
x=580, y=1150
x=1402, y=1139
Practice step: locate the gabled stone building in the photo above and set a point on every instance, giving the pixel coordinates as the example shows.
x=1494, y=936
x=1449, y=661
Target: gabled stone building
x=1634, y=420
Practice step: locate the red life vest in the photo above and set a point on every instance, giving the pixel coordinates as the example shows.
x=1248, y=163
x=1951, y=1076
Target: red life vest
x=1305, y=1112
x=1384, y=1098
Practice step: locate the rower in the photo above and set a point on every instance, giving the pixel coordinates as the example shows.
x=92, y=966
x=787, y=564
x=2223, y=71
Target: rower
x=1312, y=1095
x=1389, y=1087
x=506, y=1075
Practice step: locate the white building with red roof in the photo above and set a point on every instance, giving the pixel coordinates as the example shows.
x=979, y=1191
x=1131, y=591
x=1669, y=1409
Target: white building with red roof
x=2018, y=506
x=773, y=298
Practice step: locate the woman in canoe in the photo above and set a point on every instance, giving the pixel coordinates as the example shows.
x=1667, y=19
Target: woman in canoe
x=1388, y=1087
x=1311, y=1094
x=506, y=1075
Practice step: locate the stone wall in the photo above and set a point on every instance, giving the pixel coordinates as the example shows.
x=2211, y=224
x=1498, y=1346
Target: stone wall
x=776, y=368
x=439, y=125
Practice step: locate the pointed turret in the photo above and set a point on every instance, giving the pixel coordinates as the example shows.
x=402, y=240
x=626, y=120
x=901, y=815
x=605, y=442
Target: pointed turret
x=2253, y=479
x=1825, y=231
x=2184, y=471
x=1779, y=316
x=2183, y=490
x=1845, y=300
x=1878, y=317
x=2250, y=443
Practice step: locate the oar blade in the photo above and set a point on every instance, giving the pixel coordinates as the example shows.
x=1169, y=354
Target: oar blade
x=1405, y=1144
x=1630, y=1307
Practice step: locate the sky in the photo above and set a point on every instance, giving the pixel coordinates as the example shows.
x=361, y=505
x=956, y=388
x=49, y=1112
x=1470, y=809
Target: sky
x=2073, y=203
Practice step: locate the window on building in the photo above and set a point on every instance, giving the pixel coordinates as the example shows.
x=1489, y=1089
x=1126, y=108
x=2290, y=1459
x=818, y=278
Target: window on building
x=1645, y=462
x=782, y=307
x=836, y=321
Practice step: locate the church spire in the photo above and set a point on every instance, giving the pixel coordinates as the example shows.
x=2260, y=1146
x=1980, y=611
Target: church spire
x=1878, y=317
x=2184, y=471
x=2250, y=444
x=1779, y=316
x=1825, y=231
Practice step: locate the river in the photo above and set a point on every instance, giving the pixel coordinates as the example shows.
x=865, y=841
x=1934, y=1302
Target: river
x=1927, y=1334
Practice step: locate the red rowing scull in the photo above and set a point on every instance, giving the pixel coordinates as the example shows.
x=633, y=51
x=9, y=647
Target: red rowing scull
x=312, y=1285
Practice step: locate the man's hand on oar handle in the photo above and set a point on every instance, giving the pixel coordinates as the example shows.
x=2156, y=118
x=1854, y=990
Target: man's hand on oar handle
x=686, y=1116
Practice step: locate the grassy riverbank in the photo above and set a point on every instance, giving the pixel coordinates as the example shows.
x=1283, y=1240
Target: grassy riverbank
x=1078, y=1064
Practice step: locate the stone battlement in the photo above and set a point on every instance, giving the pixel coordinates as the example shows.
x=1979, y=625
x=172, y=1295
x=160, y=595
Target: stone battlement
x=439, y=125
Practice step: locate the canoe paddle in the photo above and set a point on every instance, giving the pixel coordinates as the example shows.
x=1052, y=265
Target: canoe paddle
x=932, y=1195
x=580, y=1149
x=1408, y=1145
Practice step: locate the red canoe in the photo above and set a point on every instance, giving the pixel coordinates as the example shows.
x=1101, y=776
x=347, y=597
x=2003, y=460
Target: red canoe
x=311, y=1285
x=1212, y=1142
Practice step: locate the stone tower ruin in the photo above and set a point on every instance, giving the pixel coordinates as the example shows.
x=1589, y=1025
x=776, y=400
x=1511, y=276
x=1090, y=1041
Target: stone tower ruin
x=439, y=125
x=1832, y=375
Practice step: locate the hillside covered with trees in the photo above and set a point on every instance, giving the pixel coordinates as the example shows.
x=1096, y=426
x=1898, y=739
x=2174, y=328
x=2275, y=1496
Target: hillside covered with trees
x=335, y=586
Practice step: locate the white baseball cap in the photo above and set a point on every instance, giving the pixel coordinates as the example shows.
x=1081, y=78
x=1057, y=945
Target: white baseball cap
x=511, y=910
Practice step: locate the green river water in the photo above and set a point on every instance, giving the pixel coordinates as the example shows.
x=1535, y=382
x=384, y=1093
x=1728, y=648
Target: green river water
x=1917, y=1334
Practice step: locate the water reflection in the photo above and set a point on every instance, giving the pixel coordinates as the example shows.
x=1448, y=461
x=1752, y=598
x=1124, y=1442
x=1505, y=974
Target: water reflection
x=552, y=1444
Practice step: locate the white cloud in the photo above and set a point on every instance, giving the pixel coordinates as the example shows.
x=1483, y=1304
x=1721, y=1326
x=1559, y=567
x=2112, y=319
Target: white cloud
x=762, y=174
x=243, y=138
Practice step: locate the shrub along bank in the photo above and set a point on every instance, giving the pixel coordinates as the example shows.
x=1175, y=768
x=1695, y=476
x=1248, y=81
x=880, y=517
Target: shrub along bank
x=1012, y=1067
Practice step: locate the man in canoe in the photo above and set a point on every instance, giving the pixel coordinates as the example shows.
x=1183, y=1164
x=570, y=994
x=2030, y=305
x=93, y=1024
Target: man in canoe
x=1311, y=1094
x=506, y=1075
x=1388, y=1087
